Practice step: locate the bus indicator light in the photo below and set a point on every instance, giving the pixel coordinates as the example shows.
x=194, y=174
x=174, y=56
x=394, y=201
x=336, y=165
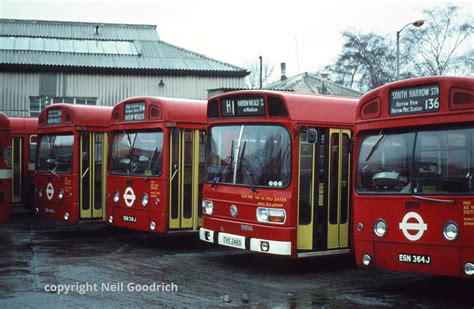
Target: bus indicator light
x=116, y=197
x=61, y=194
x=145, y=200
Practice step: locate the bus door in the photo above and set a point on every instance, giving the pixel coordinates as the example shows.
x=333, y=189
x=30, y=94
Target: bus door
x=323, y=190
x=92, y=166
x=339, y=188
x=17, y=181
x=186, y=164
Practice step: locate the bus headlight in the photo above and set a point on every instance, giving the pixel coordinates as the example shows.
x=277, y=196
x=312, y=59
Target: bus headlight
x=145, y=200
x=60, y=194
x=469, y=269
x=380, y=227
x=40, y=192
x=207, y=207
x=262, y=215
x=450, y=231
x=66, y=216
x=111, y=219
x=366, y=260
x=152, y=225
x=116, y=197
x=271, y=215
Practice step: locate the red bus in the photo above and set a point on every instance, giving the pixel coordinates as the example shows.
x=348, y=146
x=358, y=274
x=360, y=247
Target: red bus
x=71, y=162
x=23, y=150
x=5, y=169
x=413, y=200
x=156, y=164
x=278, y=173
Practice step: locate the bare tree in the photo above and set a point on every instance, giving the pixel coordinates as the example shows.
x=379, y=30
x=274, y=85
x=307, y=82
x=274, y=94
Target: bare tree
x=435, y=47
x=253, y=80
x=366, y=59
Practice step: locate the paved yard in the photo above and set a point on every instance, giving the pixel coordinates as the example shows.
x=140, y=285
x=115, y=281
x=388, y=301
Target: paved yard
x=47, y=264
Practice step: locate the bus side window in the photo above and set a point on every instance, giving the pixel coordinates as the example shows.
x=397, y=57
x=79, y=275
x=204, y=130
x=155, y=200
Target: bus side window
x=32, y=148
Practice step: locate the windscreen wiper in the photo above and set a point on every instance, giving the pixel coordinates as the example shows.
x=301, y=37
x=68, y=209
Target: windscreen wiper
x=52, y=171
x=129, y=140
x=155, y=151
x=227, y=163
x=245, y=163
x=376, y=145
x=437, y=200
x=53, y=158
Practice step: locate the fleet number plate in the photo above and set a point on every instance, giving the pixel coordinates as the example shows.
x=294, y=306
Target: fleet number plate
x=414, y=258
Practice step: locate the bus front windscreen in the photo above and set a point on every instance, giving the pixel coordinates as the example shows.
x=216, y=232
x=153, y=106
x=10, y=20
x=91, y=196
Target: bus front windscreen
x=55, y=153
x=437, y=161
x=252, y=155
x=137, y=153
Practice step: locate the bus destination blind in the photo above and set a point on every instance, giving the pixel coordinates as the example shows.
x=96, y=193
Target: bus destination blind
x=53, y=117
x=243, y=107
x=414, y=100
x=134, y=111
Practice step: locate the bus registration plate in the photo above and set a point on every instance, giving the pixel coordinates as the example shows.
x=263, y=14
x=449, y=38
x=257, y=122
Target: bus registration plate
x=129, y=219
x=232, y=240
x=414, y=258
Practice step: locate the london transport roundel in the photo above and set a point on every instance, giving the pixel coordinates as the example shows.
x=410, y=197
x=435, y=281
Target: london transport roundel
x=129, y=196
x=49, y=191
x=413, y=226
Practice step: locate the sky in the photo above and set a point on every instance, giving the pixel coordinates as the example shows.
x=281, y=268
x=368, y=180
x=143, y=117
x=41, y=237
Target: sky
x=305, y=34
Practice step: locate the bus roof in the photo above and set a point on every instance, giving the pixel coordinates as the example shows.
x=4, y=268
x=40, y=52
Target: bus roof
x=4, y=122
x=23, y=125
x=76, y=115
x=170, y=110
x=325, y=109
x=374, y=106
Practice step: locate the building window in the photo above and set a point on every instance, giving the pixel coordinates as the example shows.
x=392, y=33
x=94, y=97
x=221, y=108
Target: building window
x=38, y=103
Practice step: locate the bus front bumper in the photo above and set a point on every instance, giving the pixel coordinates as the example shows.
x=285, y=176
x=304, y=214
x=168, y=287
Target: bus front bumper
x=443, y=260
x=246, y=243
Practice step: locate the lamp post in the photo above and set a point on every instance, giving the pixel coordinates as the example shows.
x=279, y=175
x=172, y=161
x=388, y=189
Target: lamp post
x=417, y=23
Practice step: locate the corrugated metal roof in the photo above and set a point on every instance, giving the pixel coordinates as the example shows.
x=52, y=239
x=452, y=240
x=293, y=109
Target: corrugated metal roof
x=312, y=83
x=77, y=30
x=129, y=47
